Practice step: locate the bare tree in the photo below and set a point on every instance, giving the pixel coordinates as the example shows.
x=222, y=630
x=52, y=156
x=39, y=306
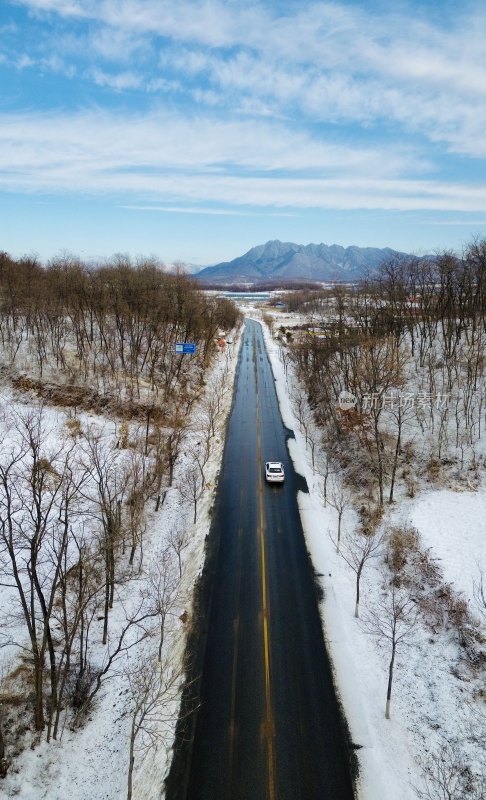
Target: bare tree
x=206, y=421
x=269, y=322
x=301, y=409
x=179, y=539
x=159, y=471
x=199, y=456
x=78, y=604
x=134, y=630
x=137, y=489
x=284, y=357
x=378, y=368
x=110, y=481
x=33, y=545
x=401, y=414
x=480, y=594
x=154, y=691
x=340, y=499
x=191, y=487
x=45, y=556
x=323, y=470
x=392, y=620
x=174, y=442
x=163, y=590
x=356, y=551
x=447, y=776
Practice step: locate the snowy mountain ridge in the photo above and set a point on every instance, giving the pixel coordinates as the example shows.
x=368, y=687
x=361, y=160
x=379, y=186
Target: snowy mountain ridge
x=276, y=260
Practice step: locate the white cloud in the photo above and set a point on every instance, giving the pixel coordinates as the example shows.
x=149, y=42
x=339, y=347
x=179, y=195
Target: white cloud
x=468, y=222
x=207, y=211
x=118, y=45
x=168, y=159
x=165, y=141
x=320, y=62
x=212, y=23
x=118, y=82
x=327, y=35
x=63, y=7
x=24, y=61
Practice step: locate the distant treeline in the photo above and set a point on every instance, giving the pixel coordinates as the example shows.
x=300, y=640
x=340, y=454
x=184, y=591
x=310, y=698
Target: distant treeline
x=417, y=329
x=446, y=289
x=441, y=287
x=261, y=286
x=120, y=319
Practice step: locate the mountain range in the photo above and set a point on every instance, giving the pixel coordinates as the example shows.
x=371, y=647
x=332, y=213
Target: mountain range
x=285, y=261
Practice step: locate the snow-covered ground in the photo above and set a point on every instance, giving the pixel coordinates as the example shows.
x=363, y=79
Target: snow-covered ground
x=430, y=703
x=91, y=763
x=453, y=526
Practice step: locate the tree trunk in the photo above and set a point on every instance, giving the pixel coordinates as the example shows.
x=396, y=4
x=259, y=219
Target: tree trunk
x=53, y=700
x=161, y=640
x=107, y=595
x=380, y=461
x=390, y=682
x=111, y=564
x=395, y=463
x=131, y=760
x=39, y=720
x=3, y=758
x=356, y=607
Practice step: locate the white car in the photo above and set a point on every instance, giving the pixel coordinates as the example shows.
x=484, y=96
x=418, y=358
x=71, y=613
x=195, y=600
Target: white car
x=274, y=472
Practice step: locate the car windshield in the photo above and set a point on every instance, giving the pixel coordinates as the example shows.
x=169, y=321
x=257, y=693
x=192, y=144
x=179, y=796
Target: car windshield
x=275, y=469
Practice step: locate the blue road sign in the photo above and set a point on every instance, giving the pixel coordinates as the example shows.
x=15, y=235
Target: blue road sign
x=185, y=347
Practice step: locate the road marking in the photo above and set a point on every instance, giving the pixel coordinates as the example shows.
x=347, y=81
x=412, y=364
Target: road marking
x=269, y=722
x=236, y=635
x=232, y=728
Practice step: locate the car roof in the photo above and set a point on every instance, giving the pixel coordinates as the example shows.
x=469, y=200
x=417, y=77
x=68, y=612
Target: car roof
x=274, y=464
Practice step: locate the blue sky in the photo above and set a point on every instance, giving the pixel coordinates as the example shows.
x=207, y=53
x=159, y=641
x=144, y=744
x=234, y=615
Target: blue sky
x=194, y=130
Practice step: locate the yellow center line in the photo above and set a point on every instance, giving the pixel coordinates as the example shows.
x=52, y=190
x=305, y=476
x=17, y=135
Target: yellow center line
x=269, y=723
x=232, y=733
x=232, y=729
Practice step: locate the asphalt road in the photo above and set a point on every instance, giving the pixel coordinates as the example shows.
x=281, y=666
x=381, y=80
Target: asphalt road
x=269, y=726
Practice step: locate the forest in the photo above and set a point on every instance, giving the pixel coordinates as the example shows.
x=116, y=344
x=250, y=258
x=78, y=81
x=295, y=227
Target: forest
x=97, y=407
x=393, y=415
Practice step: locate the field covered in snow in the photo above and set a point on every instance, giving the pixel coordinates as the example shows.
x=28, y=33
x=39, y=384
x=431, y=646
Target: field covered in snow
x=438, y=702
x=90, y=761
x=436, y=733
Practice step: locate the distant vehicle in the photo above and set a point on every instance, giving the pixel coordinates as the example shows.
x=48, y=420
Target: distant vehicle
x=274, y=472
